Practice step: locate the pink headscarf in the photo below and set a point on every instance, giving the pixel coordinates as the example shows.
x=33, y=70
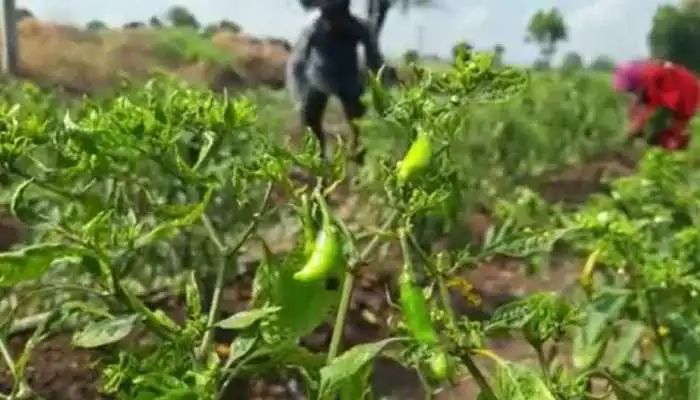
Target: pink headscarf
x=628, y=76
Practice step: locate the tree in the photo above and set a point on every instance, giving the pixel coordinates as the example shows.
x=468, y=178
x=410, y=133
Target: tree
x=133, y=25
x=377, y=10
x=95, y=25
x=675, y=36
x=224, y=25
x=572, y=61
x=155, y=22
x=602, y=64
x=181, y=17
x=547, y=28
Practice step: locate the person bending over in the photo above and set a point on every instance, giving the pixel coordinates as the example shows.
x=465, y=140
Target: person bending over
x=666, y=97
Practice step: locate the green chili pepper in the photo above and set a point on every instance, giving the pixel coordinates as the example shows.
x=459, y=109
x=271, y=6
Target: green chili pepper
x=327, y=254
x=417, y=158
x=414, y=307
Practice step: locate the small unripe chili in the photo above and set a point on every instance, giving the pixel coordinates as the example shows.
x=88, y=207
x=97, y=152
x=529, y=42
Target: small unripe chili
x=327, y=254
x=417, y=158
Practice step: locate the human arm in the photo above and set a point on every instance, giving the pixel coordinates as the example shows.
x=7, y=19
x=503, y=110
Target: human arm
x=296, y=79
x=639, y=117
x=368, y=39
x=302, y=48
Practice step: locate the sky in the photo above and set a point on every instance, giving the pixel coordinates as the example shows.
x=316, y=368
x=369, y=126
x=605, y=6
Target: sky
x=617, y=28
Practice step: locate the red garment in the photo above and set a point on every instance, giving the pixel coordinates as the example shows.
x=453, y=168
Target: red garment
x=671, y=87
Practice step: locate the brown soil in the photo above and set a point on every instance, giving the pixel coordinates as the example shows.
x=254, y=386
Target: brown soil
x=80, y=61
x=58, y=371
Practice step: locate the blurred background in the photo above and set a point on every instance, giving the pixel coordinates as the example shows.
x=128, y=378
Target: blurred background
x=83, y=45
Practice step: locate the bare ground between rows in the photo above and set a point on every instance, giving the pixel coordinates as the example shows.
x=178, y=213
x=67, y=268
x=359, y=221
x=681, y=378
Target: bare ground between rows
x=57, y=371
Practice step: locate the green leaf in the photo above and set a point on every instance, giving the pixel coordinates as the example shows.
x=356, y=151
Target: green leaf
x=245, y=319
x=357, y=387
x=623, y=347
x=540, y=316
x=156, y=319
x=239, y=348
x=694, y=384
x=17, y=197
x=515, y=382
x=105, y=332
x=171, y=228
x=32, y=262
x=302, y=305
x=349, y=364
x=590, y=340
x=193, y=297
x=205, y=150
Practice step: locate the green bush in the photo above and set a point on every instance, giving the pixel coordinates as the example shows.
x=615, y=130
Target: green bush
x=187, y=45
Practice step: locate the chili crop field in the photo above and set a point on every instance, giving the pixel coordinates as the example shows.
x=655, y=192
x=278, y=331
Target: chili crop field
x=499, y=242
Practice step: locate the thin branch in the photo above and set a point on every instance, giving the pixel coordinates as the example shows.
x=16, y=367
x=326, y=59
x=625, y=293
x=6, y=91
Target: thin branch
x=5, y=353
x=348, y=286
x=221, y=268
x=434, y=270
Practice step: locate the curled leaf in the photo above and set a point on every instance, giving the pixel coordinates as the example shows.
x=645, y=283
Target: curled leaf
x=32, y=262
x=245, y=319
x=105, y=332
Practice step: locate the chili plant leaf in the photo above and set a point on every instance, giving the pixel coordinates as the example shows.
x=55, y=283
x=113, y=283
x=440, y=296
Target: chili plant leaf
x=239, y=348
x=515, y=382
x=170, y=228
x=32, y=262
x=193, y=297
x=350, y=363
x=302, y=305
x=17, y=196
x=245, y=319
x=625, y=345
x=98, y=334
x=600, y=313
x=694, y=384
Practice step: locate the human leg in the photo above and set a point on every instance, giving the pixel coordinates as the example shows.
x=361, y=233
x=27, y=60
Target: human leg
x=313, y=110
x=354, y=110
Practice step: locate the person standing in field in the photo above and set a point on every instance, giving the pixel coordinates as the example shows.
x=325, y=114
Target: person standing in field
x=324, y=63
x=666, y=97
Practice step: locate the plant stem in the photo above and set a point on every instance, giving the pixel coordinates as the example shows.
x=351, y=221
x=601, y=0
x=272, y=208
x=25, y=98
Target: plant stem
x=658, y=339
x=221, y=267
x=8, y=358
x=646, y=306
x=542, y=360
x=348, y=285
x=619, y=385
x=213, y=236
x=480, y=379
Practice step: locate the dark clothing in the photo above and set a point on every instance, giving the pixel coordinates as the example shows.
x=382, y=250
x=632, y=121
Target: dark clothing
x=315, y=102
x=324, y=63
x=325, y=60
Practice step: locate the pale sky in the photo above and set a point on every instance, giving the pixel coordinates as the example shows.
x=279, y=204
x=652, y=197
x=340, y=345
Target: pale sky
x=614, y=27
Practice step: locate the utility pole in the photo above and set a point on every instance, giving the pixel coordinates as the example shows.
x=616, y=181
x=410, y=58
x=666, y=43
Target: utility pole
x=9, y=37
x=421, y=33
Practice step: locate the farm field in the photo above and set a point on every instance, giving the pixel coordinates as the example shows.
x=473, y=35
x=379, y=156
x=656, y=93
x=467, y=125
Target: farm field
x=162, y=227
